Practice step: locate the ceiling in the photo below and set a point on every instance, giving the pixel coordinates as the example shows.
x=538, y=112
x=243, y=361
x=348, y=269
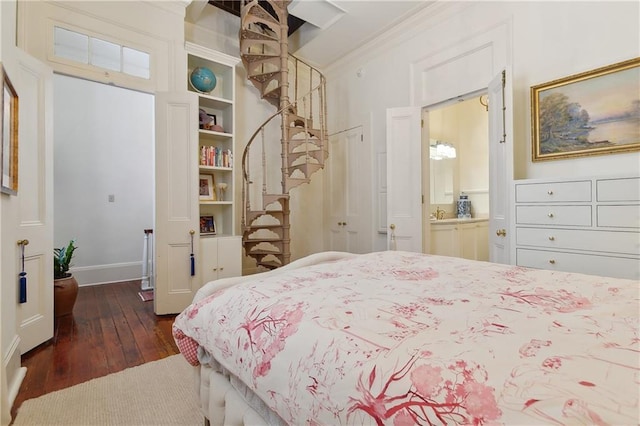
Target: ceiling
x=331, y=29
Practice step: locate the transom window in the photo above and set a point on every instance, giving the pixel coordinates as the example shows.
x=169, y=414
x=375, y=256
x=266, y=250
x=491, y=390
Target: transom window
x=86, y=49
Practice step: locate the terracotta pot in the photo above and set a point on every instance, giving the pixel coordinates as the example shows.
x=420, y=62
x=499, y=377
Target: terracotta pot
x=65, y=292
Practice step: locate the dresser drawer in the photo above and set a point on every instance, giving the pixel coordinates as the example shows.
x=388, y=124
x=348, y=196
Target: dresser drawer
x=549, y=192
x=608, y=266
x=570, y=239
x=554, y=215
x=626, y=189
x=619, y=216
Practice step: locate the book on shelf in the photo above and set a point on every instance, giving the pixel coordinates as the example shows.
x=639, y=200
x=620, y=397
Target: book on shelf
x=215, y=156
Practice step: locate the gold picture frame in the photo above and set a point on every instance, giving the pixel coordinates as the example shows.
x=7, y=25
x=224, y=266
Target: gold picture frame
x=9, y=154
x=592, y=113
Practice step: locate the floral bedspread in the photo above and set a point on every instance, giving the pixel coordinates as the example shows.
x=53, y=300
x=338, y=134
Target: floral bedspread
x=403, y=338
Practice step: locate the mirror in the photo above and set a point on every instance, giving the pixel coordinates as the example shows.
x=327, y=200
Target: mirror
x=441, y=180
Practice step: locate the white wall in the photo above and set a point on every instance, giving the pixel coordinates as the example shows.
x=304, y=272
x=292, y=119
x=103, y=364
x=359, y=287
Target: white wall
x=103, y=145
x=545, y=41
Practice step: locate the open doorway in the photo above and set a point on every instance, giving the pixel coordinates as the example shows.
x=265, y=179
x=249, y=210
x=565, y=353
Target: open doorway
x=458, y=139
x=103, y=177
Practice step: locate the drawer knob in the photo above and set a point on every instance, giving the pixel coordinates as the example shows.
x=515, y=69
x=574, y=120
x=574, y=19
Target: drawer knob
x=550, y=192
x=552, y=238
x=553, y=262
x=550, y=215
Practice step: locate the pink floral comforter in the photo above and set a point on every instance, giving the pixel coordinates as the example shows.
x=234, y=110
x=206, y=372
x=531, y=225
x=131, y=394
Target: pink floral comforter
x=403, y=338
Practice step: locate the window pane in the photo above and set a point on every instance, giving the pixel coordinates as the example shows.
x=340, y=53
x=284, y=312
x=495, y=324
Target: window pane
x=135, y=62
x=105, y=54
x=70, y=45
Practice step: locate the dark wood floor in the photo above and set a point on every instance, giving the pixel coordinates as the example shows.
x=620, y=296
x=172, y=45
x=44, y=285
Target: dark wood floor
x=111, y=329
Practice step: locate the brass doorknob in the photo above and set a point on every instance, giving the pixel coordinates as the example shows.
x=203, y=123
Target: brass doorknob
x=392, y=226
x=23, y=242
x=501, y=232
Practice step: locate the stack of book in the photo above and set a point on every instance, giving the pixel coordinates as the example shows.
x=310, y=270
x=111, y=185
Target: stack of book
x=215, y=156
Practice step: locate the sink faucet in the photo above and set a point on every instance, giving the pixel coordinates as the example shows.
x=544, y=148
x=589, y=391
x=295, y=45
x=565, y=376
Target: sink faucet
x=439, y=213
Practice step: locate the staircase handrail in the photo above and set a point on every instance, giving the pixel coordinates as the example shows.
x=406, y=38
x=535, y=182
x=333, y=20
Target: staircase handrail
x=271, y=117
x=245, y=153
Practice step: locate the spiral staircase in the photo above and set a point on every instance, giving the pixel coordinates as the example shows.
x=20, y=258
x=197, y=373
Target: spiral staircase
x=297, y=91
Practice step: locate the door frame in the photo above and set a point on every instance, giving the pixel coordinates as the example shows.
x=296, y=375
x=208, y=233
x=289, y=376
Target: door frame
x=465, y=67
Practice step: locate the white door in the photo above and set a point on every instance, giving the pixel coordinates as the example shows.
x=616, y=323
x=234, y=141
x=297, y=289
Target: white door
x=32, y=207
x=349, y=220
x=177, y=213
x=27, y=215
x=337, y=173
x=500, y=167
x=404, y=179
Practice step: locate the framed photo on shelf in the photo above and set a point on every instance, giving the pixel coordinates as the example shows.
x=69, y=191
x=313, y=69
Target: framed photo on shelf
x=207, y=225
x=9, y=155
x=592, y=113
x=207, y=188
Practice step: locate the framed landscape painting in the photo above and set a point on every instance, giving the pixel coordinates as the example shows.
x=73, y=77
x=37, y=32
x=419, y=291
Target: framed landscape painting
x=592, y=113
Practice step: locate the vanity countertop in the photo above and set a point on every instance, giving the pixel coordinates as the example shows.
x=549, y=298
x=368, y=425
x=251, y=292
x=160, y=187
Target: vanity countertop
x=454, y=220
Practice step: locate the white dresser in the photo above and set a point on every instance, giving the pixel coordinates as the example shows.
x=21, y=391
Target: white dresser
x=589, y=225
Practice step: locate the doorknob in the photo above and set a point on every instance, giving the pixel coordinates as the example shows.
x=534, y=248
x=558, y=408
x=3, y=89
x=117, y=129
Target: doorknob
x=23, y=242
x=392, y=226
x=501, y=232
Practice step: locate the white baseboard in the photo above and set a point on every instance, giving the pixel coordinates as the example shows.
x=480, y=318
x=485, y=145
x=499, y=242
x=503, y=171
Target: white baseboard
x=15, y=373
x=102, y=274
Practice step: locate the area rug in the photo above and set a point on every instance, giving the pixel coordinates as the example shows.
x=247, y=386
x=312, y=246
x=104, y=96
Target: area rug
x=146, y=295
x=156, y=393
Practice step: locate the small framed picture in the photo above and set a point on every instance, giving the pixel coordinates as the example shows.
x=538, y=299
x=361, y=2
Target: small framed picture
x=207, y=225
x=207, y=188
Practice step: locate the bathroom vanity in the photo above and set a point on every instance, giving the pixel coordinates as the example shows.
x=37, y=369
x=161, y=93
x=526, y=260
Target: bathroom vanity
x=466, y=238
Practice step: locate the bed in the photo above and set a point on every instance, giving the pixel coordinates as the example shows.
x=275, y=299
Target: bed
x=404, y=338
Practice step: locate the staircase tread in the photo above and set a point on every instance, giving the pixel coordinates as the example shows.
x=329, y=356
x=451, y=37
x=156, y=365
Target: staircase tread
x=252, y=57
x=264, y=252
x=263, y=76
x=255, y=35
x=262, y=14
x=256, y=227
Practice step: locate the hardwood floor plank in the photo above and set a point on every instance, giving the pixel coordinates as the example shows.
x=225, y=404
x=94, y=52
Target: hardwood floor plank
x=110, y=339
x=129, y=304
x=127, y=341
x=110, y=329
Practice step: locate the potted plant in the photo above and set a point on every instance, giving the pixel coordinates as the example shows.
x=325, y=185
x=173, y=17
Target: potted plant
x=65, y=286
